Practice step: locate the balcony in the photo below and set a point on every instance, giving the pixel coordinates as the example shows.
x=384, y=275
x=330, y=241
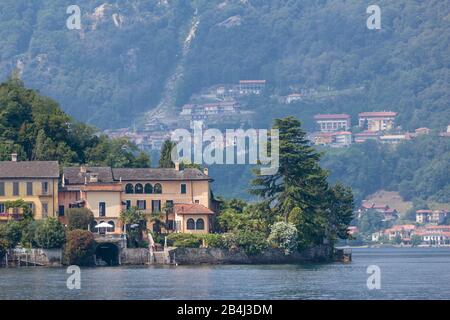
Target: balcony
x=10, y=216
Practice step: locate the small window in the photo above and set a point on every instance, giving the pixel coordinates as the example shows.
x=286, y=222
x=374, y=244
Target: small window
x=170, y=225
x=45, y=210
x=129, y=188
x=61, y=211
x=148, y=189
x=15, y=188
x=2, y=208
x=138, y=188
x=190, y=224
x=45, y=187
x=2, y=188
x=29, y=188
x=156, y=206
x=157, y=188
x=102, y=209
x=197, y=201
x=183, y=188
x=142, y=204
x=200, y=224
x=128, y=204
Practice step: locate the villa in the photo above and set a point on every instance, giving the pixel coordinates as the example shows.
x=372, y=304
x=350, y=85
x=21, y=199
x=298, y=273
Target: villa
x=182, y=199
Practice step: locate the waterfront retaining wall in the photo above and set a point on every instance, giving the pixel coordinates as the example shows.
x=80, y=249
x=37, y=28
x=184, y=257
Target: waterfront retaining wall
x=134, y=256
x=270, y=256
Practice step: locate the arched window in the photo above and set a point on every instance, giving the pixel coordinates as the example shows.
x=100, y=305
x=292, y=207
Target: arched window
x=138, y=188
x=200, y=224
x=190, y=224
x=101, y=230
x=113, y=228
x=148, y=188
x=129, y=188
x=157, y=188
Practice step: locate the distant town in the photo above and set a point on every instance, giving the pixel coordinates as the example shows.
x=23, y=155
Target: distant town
x=225, y=101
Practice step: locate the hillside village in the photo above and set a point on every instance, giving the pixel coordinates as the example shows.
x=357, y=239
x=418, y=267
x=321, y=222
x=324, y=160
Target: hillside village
x=224, y=103
x=430, y=228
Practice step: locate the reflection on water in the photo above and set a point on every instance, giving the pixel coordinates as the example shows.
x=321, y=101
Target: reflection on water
x=408, y=273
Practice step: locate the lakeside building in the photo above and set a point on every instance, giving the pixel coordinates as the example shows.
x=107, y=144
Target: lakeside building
x=332, y=122
x=404, y=231
x=434, y=235
x=179, y=197
x=182, y=199
x=35, y=182
x=377, y=121
x=430, y=216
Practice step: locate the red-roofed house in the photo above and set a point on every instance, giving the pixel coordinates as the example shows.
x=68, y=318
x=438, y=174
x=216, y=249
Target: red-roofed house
x=192, y=218
x=388, y=213
x=377, y=121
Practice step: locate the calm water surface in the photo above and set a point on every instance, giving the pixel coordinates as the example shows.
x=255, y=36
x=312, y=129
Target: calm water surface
x=409, y=273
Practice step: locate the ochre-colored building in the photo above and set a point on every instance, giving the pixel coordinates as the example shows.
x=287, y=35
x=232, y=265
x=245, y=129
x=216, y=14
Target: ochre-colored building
x=34, y=182
x=157, y=192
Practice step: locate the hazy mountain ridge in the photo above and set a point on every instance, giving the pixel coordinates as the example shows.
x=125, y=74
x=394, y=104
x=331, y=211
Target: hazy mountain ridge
x=115, y=68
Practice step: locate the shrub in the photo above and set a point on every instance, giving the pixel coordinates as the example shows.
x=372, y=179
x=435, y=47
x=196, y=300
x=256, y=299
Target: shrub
x=50, y=234
x=80, y=248
x=29, y=234
x=213, y=240
x=4, y=244
x=252, y=242
x=11, y=233
x=79, y=218
x=184, y=240
x=284, y=236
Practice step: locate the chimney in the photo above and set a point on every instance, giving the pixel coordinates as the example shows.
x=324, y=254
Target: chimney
x=93, y=177
x=14, y=157
x=205, y=171
x=177, y=166
x=83, y=169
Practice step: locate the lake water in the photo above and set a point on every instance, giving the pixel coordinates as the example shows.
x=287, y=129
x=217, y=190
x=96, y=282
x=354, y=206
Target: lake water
x=406, y=273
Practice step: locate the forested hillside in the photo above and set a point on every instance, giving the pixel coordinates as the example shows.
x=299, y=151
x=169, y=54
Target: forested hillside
x=34, y=127
x=114, y=69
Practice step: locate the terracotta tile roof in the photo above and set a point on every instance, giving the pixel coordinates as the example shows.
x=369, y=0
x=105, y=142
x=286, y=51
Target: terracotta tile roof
x=29, y=169
x=424, y=211
x=73, y=175
x=331, y=116
x=191, y=208
x=159, y=174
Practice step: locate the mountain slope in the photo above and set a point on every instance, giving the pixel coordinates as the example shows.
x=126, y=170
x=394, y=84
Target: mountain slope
x=116, y=68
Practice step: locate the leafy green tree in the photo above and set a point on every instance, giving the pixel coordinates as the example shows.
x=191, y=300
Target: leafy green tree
x=50, y=234
x=80, y=248
x=300, y=188
x=165, y=160
x=79, y=218
x=370, y=222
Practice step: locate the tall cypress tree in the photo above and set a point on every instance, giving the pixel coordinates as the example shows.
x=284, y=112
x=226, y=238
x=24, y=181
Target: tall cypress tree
x=165, y=160
x=299, y=191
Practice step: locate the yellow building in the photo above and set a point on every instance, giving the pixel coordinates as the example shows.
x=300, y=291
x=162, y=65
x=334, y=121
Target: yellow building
x=34, y=182
x=157, y=192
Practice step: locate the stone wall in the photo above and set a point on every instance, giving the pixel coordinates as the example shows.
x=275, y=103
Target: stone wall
x=134, y=256
x=270, y=256
x=42, y=257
